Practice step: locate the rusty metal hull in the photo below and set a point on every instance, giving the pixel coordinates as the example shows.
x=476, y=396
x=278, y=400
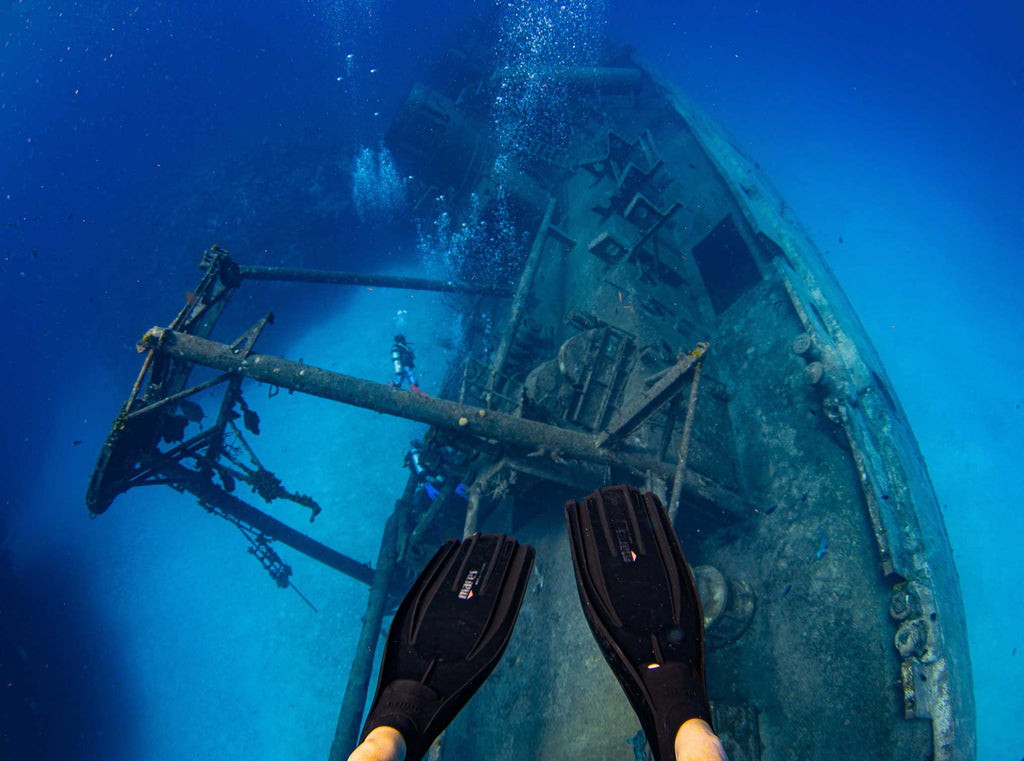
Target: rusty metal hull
x=675, y=328
x=668, y=236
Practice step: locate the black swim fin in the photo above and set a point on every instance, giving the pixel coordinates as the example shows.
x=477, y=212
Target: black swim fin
x=641, y=602
x=448, y=635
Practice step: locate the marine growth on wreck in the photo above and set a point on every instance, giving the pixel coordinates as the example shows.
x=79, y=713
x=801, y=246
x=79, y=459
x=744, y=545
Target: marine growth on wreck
x=634, y=304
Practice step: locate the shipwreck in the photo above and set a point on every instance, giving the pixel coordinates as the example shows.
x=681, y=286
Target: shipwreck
x=672, y=326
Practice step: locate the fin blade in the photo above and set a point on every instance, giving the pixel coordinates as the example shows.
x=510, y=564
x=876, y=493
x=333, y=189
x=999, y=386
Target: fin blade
x=448, y=635
x=641, y=603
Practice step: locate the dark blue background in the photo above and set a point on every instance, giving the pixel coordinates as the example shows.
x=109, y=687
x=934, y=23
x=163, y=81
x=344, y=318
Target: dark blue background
x=128, y=131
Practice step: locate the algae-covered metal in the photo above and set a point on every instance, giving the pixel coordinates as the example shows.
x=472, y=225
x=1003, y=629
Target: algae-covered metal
x=848, y=628
x=659, y=255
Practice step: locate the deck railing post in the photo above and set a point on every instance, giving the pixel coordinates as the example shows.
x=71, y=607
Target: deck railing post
x=346, y=732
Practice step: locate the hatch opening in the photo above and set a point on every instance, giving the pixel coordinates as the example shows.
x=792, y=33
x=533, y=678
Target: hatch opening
x=726, y=264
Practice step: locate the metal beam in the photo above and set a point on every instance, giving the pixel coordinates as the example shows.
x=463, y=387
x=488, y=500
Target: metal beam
x=213, y=496
x=346, y=731
x=642, y=406
x=485, y=424
x=296, y=275
x=462, y=418
x=519, y=301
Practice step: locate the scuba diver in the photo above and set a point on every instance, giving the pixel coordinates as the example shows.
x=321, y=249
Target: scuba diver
x=404, y=360
x=430, y=466
x=638, y=596
x=413, y=460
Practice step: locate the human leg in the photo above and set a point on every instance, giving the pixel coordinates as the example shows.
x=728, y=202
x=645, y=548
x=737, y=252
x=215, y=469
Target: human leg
x=696, y=741
x=381, y=744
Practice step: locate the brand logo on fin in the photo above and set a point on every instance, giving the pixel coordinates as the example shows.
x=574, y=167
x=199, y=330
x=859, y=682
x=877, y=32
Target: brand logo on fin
x=625, y=545
x=467, y=586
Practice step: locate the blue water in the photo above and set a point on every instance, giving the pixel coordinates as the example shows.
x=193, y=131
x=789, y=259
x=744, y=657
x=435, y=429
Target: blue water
x=132, y=136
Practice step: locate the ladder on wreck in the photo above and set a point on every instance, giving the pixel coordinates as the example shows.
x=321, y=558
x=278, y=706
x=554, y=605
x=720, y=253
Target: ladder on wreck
x=607, y=364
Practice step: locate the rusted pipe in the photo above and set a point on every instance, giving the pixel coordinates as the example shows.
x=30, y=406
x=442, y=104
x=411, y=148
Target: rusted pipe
x=445, y=414
x=209, y=494
x=684, y=447
x=475, y=494
x=346, y=732
x=519, y=301
x=472, y=509
x=511, y=431
x=167, y=401
x=297, y=275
